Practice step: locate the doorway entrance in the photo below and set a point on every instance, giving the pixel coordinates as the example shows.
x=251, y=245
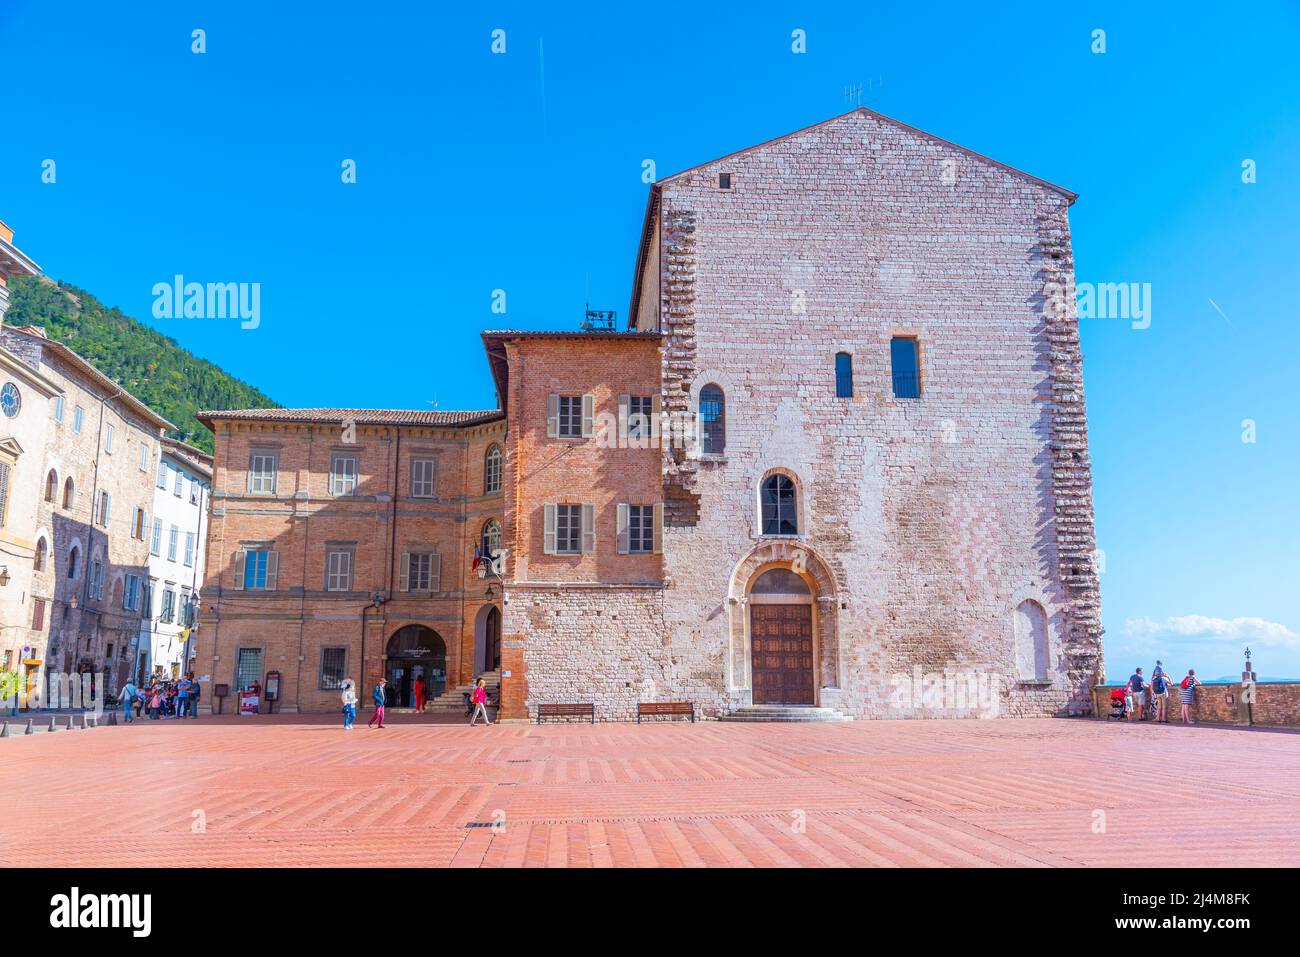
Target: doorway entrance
x=415, y=655
x=781, y=640
x=487, y=640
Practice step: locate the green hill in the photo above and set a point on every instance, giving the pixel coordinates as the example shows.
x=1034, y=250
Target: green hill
x=172, y=381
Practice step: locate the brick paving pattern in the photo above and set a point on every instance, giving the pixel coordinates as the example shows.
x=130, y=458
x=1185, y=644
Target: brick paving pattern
x=298, y=791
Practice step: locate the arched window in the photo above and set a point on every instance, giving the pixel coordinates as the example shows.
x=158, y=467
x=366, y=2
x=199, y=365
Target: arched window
x=491, y=538
x=74, y=556
x=69, y=493
x=843, y=375
x=1031, y=641
x=713, y=419
x=492, y=470
x=42, y=549
x=778, y=506
x=51, y=486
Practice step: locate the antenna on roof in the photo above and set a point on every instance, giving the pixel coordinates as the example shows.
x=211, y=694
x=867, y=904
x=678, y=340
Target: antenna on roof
x=597, y=320
x=853, y=95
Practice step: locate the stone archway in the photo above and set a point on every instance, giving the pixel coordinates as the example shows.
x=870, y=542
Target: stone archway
x=804, y=562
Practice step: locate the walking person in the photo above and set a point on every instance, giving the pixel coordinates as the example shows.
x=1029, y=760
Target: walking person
x=378, y=698
x=128, y=696
x=1188, y=693
x=349, y=704
x=418, y=693
x=1133, y=695
x=1160, y=692
x=479, y=698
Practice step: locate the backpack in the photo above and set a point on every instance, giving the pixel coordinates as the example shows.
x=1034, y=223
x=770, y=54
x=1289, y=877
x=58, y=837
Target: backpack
x=1186, y=683
x=1159, y=684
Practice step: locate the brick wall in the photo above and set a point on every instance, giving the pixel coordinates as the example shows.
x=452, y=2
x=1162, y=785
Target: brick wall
x=299, y=618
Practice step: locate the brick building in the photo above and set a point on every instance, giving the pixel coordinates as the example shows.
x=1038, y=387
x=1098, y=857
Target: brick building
x=839, y=461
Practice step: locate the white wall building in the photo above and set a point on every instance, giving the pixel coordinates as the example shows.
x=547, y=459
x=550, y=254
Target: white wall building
x=178, y=526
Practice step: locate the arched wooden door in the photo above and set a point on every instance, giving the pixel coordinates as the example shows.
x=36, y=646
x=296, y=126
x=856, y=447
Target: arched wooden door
x=782, y=655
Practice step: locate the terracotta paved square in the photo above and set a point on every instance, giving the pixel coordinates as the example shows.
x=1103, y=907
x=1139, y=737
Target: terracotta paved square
x=294, y=791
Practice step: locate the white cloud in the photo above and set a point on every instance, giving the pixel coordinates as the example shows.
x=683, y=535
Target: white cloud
x=1199, y=629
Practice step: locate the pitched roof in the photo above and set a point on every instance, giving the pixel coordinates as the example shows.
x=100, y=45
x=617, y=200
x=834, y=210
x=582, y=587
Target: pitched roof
x=426, y=417
x=94, y=375
x=652, y=202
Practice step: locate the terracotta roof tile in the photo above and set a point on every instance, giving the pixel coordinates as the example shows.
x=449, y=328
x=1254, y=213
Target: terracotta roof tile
x=359, y=416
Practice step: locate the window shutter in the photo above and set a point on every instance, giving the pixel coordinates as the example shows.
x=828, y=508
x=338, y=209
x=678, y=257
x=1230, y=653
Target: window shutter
x=249, y=483
x=588, y=529
x=108, y=508
x=623, y=543
x=435, y=573
x=272, y=569
x=552, y=416
x=624, y=400
x=588, y=415
x=126, y=594
x=659, y=528
x=404, y=579
x=656, y=414
x=240, y=557
x=548, y=530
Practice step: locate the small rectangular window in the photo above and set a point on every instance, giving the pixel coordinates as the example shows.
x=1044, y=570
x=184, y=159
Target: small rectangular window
x=248, y=668
x=173, y=536
x=724, y=181
x=639, y=416
x=144, y=456
x=338, y=569
x=194, y=492
x=343, y=474
x=333, y=662
x=568, y=529
x=843, y=375
x=78, y=419
x=38, y=614
x=155, y=546
x=255, y=569
x=162, y=475
x=168, y=606
x=58, y=408
x=108, y=439
x=177, y=485
x=261, y=473
x=906, y=367
x=640, y=529
x=422, y=472
x=189, y=548
x=570, y=421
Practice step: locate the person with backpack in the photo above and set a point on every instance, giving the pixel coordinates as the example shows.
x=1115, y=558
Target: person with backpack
x=378, y=697
x=1160, y=693
x=195, y=689
x=349, y=704
x=128, y=695
x=1188, y=693
x=1133, y=697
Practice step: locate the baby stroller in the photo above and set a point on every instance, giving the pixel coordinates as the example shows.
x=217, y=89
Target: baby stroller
x=1117, y=703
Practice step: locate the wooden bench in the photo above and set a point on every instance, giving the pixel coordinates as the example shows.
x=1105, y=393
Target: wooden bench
x=656, y=709
x=574, y=709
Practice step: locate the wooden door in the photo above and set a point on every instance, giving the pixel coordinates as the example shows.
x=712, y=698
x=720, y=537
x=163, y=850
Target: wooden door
x=782, y=653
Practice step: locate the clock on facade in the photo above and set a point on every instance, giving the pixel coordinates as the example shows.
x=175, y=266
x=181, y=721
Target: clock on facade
x=10, y=400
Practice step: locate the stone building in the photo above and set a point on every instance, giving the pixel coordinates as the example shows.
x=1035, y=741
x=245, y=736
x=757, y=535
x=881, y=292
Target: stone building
x=838, y=462
x=25, y=400
x=91, y=521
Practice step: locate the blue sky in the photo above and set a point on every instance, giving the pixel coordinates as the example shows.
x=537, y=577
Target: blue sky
x=522, y=172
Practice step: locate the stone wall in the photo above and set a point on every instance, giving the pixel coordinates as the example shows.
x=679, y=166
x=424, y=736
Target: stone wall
x=936, y=516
